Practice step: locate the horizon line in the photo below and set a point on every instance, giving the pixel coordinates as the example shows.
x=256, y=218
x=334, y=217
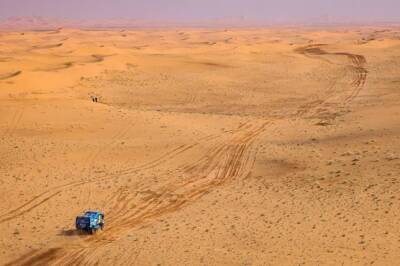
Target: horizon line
x=41, y=22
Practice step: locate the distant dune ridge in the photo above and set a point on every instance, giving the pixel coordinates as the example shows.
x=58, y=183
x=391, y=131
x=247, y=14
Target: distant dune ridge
x=44, y=23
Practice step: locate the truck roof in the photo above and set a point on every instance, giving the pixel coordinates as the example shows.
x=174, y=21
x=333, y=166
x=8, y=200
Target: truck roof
x=93, y=213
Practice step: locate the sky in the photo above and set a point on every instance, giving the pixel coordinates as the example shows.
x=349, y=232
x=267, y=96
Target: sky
x=180, y=10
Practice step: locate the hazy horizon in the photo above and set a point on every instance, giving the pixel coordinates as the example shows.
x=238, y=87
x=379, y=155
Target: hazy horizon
x=186, y=10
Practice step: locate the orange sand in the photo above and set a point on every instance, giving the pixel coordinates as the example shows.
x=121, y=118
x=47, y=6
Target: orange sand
x=207, y=147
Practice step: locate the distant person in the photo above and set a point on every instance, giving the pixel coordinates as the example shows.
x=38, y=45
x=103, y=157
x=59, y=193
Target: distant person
x=94, y=98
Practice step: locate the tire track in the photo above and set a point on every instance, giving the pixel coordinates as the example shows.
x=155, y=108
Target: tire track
x=93, y=157
x=228, y=162
x=15, y=120
x=45, y=196
x=10, y=131
x=224, y=162
x=356, y=68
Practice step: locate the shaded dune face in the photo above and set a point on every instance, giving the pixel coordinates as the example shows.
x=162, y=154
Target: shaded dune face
x=9, y=75
x=47, y=46
x=202, y=147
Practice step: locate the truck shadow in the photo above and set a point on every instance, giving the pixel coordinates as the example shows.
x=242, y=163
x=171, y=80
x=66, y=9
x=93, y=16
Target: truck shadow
x=72, y=232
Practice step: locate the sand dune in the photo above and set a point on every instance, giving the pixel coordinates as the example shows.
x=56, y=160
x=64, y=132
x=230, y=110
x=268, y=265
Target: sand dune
x=9, y=75
x=47, y=46
x=56, y=67
x=207, y=147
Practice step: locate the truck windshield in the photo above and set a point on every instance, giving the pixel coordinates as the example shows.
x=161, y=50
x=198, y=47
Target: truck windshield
x=82, y=220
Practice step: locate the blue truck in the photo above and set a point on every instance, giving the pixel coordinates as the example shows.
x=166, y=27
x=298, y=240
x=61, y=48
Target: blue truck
x=90, y=222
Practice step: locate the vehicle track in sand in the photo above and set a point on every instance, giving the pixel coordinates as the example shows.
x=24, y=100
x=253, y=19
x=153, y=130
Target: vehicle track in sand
x=45, y=196
x=15, y=120
x=92, y=158
x=200, y=168
x=10, y=132
x=332, y=98
x=224, y=162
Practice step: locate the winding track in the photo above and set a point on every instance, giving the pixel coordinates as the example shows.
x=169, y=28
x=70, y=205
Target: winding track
x=356, y=68
x=224, y=162
x=45, y=196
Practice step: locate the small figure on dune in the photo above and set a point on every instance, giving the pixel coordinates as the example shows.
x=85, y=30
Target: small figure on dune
x=94, y=98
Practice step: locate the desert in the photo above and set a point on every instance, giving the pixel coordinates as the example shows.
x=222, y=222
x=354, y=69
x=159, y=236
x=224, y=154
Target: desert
x=259, y=146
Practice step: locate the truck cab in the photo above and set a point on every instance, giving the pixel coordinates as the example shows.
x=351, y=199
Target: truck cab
x=90, y=222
